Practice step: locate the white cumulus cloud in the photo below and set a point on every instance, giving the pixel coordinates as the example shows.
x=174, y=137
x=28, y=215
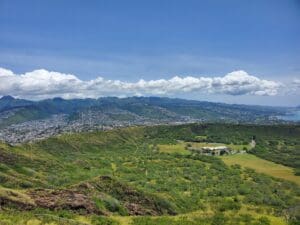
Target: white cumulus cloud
x=296, y=82
x=40, y=84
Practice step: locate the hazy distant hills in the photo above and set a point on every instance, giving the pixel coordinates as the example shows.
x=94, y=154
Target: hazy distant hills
x=148, y=108
x=23, y=120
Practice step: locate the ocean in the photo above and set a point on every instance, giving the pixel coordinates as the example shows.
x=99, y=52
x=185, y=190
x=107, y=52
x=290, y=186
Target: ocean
x=294, y=116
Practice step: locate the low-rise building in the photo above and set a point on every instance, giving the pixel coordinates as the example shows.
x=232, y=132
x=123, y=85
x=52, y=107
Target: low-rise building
x=214, y=150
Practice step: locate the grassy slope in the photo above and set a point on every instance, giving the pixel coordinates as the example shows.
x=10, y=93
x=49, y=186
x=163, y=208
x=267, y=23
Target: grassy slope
x=262, y=166
x=187, y=183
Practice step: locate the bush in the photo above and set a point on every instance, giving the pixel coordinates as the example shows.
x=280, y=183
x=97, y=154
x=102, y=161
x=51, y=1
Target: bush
x=229, y=205
x=103, y=221
x=114, y=205
x=219, y=219
x=263, y=221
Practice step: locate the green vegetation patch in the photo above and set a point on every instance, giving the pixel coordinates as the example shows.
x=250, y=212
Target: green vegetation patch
x=179, y=148
x=146, y=171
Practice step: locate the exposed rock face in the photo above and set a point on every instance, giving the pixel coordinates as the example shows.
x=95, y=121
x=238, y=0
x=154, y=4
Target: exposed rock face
x=137, y=210
x=64, y=199
x=82, y=199
x=135, y=201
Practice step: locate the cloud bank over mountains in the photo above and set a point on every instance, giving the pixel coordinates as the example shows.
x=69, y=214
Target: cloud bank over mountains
x=41, y=84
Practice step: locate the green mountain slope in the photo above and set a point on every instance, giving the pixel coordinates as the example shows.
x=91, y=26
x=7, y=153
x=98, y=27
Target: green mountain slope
x=106, y=177
x=149, y=108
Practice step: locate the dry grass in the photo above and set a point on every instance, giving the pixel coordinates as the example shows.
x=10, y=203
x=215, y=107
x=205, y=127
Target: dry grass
x=246, y=209
x=15, y=196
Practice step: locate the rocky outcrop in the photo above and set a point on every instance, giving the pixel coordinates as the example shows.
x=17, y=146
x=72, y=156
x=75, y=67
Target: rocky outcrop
x=110, y=194
x=64, y=199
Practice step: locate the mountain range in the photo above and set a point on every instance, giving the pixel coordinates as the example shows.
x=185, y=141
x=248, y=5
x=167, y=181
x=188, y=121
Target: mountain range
x=23, y=120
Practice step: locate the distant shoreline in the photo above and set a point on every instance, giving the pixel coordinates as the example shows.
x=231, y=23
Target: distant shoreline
x=293, y=116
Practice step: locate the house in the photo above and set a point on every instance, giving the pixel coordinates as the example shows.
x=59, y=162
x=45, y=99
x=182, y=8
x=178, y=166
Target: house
x=213, y=151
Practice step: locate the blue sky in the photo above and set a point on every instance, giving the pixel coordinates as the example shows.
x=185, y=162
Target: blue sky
x=151, y=40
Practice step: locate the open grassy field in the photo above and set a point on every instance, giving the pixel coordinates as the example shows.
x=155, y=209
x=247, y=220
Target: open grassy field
x=262, y=166
x=174, y=148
